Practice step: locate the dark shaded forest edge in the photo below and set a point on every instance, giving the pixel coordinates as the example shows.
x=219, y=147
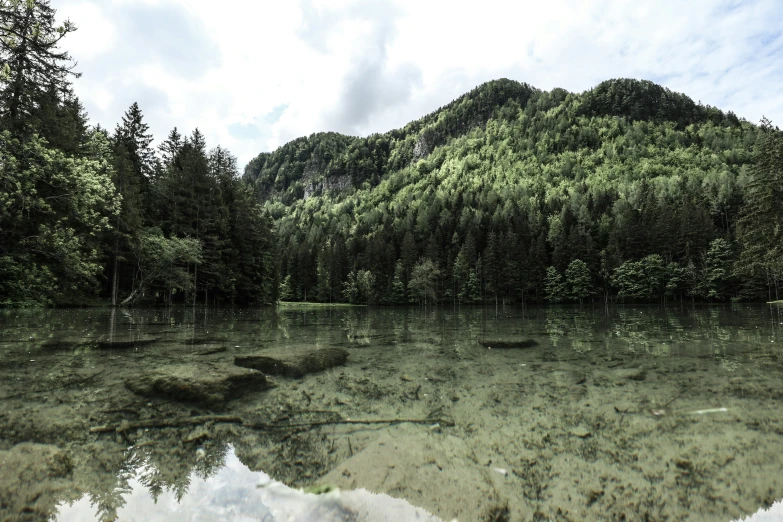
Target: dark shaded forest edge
x=625, y=192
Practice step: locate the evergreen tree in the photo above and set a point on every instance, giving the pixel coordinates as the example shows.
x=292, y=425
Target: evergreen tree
x=472, y=291
x=554, y=285
x=492, y=265
x=423, y=282
x=34, y=67
x=324, y=272
x=760, y=227
x=132, y=167
x=578, y=280
x=170, y=147
x=408, y=254
x=398, y=285
x=714, y=277
x=644, y=279
x=285, y=291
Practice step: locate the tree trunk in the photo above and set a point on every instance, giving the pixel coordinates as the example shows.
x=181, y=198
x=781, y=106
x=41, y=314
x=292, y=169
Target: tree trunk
x=114, y=285
x=132, y=297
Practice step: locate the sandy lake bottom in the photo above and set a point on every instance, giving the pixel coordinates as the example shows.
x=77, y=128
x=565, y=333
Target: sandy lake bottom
x=576, y=414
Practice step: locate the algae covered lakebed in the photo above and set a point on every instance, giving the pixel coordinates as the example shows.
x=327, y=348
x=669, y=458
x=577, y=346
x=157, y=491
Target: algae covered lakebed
x=509, y=414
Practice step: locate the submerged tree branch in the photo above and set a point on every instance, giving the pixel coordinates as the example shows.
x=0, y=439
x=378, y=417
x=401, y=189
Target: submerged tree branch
x=228, y=419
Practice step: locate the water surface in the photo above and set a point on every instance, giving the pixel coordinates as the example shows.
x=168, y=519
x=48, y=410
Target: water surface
x=627, y=413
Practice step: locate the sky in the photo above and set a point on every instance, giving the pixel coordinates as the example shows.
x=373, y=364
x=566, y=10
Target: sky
x=253, y=75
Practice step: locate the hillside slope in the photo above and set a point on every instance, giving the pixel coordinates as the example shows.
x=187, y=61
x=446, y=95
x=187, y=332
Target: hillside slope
x=509, y=192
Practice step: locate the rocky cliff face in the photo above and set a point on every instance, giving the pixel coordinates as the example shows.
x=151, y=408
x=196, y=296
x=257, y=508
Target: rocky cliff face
x=329, y=184
x=331, y=162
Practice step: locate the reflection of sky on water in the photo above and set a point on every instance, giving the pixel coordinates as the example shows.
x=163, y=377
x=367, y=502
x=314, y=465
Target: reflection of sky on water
x=773, y=514
x=230, y=494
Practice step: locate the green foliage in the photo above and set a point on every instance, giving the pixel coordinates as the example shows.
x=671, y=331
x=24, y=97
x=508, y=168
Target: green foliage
x=398, y=296
x=578, y=280
x=163, y=263
x=79, y=208
x=55, y=211
x=644, y=100
x=359, y=287
x=678, y=279
x=539, y=179
x=760, y=227
x=472, y=289
x=496, y=194
x=643, y=280
x=423, y=283
x=554, y=286
x=285, y=292
x=36, y=71
x=717, y=267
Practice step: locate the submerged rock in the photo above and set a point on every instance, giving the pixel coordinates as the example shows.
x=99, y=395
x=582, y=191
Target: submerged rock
x=53, y=345
x=120, y=344
x=33, y=479
x=202, y=383
x=623, y=375
x=205, y=340
x=408, y=462
x=124, y=344
x=294, y=363
x=519, y=343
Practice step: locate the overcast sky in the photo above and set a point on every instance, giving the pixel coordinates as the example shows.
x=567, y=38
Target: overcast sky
x=253, y=75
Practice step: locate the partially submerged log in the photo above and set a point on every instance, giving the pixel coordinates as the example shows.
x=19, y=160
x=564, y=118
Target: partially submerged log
x=294, y=363
x=201, y=383
x=497, y=344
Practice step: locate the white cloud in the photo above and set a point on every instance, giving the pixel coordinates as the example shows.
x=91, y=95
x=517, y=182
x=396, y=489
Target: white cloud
x=98, y=37
x=356, y=67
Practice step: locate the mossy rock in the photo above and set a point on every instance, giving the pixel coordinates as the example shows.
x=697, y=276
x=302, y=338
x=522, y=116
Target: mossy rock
x=296, y=362
x=209, y=384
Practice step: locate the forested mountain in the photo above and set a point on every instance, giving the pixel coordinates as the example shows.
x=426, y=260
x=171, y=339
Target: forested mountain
x=627, y=191
x=85, y=213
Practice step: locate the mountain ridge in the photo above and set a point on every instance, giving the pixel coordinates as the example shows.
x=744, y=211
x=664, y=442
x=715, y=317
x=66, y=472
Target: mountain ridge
x=497, y=194
x=622, y=97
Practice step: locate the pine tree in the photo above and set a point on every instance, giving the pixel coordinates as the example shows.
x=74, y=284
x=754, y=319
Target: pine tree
x=492, y=265
x=714, y=276
x=473, y=288
x=398, y=285
x=133, y=135
x=324, y=274
x=33, y=63
x=285, y=291
x=554, y=285
x=408, y=254
x=760, y=227
x=132, y=168
x=170, y=147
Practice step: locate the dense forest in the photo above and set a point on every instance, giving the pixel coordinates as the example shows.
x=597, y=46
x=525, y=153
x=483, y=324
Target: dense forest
x=90, y=214
x=625, y=192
